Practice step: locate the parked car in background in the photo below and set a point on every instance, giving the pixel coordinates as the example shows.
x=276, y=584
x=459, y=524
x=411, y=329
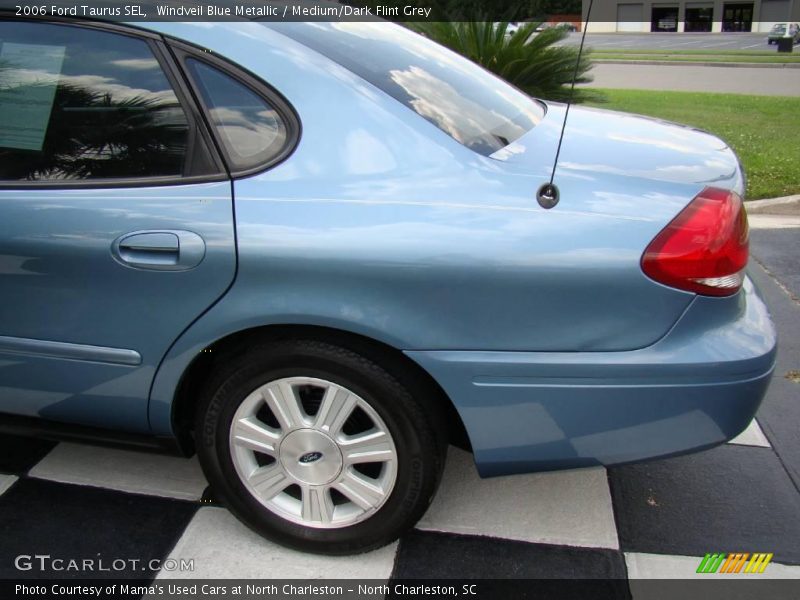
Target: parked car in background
x=567, y=26
x=312, y=253
x=781, y=30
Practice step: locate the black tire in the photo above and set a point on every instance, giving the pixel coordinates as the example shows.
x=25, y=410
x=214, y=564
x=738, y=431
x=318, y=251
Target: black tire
x=415, y=428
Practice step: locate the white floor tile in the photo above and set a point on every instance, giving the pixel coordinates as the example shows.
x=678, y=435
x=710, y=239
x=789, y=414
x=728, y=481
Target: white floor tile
x=224, y=548
x=752, y=436
x=6, y=481
x=567, y=507
x=128, y=471
x=662, y=566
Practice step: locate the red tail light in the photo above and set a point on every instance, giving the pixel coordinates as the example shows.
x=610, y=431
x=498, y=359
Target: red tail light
x=705, y=248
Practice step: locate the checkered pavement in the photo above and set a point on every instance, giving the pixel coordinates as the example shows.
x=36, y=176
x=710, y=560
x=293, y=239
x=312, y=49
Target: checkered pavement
x=651, y=520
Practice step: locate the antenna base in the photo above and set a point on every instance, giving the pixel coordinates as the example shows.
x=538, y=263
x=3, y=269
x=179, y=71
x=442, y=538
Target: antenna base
x=547, y=196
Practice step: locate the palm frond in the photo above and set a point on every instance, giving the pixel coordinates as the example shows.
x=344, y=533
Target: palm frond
x=529, y=60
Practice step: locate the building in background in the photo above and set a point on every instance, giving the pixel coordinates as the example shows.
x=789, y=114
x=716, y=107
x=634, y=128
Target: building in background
x=690, y=15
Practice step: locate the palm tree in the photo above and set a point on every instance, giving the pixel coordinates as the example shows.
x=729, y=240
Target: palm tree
x=92, y=135
x=528, y=59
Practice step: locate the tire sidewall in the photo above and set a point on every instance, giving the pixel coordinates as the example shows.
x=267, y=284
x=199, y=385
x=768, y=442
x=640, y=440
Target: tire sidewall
x=412, y=434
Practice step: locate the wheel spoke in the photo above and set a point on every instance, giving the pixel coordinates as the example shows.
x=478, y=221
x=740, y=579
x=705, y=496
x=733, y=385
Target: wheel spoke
x=270, y=481
x=317, y=504
x=311, y=455
x=372, y=446
x=336, y=407
x=285, y=405
x=360, y=489
x=251, y=433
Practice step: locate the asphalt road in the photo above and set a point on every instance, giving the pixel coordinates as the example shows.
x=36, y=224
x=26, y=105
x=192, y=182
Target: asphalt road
x=778, y=252
x=775, y=267
x=674, y=41
x=698, y=78
x=777, y=272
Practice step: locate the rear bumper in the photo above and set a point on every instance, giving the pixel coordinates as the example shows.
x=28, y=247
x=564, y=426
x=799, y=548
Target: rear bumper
x=699, y=386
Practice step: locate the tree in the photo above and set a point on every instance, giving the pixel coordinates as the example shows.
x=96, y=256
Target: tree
x=528, y=59
x=93, y=135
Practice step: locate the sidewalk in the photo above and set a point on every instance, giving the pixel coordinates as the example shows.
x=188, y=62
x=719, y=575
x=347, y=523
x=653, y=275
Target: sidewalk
x=694, y=63
x=774, y=213
x=695, y=78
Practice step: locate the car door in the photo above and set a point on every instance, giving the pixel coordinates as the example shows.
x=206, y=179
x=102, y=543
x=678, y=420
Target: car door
x=116, y=220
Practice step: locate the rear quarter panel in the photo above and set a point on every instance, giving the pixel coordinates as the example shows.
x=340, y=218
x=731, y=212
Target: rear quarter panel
x=382, y=225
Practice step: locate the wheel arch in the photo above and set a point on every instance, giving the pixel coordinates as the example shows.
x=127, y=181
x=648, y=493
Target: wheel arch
x=398, y=364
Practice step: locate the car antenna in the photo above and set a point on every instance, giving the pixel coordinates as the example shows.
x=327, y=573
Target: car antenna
x=548, y=195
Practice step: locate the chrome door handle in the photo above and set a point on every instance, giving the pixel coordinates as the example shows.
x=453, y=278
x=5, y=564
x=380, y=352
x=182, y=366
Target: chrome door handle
x=165, y=250
x=150, y=249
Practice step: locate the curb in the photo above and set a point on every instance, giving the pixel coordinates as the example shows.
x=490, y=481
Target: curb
x=684, y=63
x=773, y=222
x=783, y=205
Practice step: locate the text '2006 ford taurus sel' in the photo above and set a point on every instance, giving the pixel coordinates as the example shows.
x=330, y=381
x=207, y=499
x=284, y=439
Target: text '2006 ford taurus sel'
x=313, y=254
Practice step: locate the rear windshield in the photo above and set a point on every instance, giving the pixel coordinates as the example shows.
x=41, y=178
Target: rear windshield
x=468, y=103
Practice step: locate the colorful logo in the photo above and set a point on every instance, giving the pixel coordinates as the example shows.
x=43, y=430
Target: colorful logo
x=735, y=563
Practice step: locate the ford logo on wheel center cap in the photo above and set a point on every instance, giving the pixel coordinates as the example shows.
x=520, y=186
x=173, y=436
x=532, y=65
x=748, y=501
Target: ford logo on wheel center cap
x=310, y=457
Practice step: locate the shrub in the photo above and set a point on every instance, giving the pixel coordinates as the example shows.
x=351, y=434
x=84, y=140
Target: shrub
x=528, y=59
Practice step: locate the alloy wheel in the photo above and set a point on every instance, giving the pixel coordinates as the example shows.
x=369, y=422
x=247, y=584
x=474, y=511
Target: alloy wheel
x=313, y=452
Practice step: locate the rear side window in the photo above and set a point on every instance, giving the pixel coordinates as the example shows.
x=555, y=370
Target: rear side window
x=468, y=103
x=82, y=104
x=248, y=127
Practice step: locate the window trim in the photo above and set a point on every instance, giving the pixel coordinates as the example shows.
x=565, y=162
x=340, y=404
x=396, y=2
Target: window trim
x=199, y=138
x=182, y=51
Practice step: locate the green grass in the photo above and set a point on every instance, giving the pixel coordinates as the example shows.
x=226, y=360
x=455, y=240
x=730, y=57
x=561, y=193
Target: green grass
x=763, y=130
x=743, y=56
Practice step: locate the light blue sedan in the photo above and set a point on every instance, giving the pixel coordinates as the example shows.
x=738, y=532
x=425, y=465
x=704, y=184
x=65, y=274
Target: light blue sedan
x=313, y=254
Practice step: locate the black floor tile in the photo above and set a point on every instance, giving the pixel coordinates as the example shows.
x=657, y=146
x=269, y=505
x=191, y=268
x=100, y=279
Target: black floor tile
x=729, y=499
x=433, y=555
x=72, y=522
x=18, y=454
x=210, y=497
